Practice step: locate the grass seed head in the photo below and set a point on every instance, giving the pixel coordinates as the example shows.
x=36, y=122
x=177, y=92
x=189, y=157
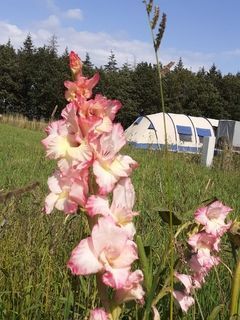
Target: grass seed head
x=155, y=17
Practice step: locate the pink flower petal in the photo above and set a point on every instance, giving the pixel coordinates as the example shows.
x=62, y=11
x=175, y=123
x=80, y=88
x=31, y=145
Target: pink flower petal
x=203, y=240
x=53, y=183
x=184, y=301
x=83, y=260
x=186, y=281
x=98, y=205
x=104, y=178
x=50, y=202
x=66, y=205
x=105, y=126
x=109, y=238
x=115, y=278
x=213, y=218
x=98, y=314
x=78, y=193
x=127, y=255
x=75, y=63
x=132, y=289
x=156, y=315
x=122, y=166
x=123, y=195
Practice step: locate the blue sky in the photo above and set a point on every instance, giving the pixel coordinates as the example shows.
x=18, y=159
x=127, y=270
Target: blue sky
x=201, y=32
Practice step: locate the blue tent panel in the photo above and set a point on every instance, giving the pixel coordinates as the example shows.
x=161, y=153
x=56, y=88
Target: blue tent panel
x=151, y=126
x=138, y=120
x=204, y=132
x=184, y=130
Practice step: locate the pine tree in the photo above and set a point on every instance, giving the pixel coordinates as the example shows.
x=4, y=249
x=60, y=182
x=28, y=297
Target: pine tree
x=146, y=88
x=27, y=73
x=53, y=45
x=87, y=62
x=9, y=84
x=28, y=47
x=112, y=63
x=126, y=93
x=230, y=92
x=179, y=66
x=88, y=67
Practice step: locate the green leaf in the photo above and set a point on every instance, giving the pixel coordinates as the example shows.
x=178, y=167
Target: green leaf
x=146, y=267
x=165, y=215
x=215, y=312
x=68, y=305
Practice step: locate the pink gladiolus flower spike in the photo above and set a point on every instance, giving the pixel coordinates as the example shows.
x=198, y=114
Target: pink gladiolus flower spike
x=203, y=241
x=183, y=300
x=186, y=280
x=65, y=141
x=97, y=114
x=132, y=290
x=201, y=262
x=212, y=217
x=86, y=142
x=109, y=166
x=108, y=251
x=98, y=314
x=82, y=87
x=75, y=63
x=121, y=207
x=68, y=191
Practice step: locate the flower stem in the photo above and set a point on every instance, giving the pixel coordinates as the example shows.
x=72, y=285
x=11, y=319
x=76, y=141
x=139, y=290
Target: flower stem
x=102, y=290
x=235, y=294
x=171, y=265
x=171, y=233
x=160, y=85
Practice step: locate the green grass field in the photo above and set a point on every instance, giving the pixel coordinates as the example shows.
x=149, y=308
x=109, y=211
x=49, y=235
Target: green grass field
x=34, y=280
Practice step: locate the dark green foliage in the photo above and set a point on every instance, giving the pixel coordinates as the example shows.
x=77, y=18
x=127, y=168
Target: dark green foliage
x=147, y=88
x=9, y=86
x=112, y=63
x=42, y=74
x=32, y=83
x=88, y=67
x=165, y=215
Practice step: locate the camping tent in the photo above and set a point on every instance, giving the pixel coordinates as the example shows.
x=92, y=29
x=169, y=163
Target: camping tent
x=184, y=133
x=229, y=133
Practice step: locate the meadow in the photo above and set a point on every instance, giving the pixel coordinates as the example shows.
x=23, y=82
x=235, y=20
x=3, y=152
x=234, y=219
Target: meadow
x=34, y=280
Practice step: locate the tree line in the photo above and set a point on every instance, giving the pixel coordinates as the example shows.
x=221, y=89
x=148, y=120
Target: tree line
x=31, y=84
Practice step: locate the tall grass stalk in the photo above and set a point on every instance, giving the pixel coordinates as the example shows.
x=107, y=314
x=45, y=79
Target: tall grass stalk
x=156, y=51
x=235, y=294
x=156, y=45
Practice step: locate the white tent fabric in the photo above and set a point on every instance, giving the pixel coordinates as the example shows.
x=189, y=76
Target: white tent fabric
x=184, y=133
x=230, y=131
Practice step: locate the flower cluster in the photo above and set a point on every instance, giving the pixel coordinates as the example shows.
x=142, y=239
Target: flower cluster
x=86, y=144
x=204, y=248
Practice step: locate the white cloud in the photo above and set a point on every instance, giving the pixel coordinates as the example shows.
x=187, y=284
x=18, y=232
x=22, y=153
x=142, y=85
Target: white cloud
x=52, y=22
x=52, y=6
x=13, y=32
x=74, y=14
x=191, y=60
x=99, y=45
x=231, y=53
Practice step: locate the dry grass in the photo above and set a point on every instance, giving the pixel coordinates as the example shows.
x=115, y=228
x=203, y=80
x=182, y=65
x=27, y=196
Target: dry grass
x=20, y=121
